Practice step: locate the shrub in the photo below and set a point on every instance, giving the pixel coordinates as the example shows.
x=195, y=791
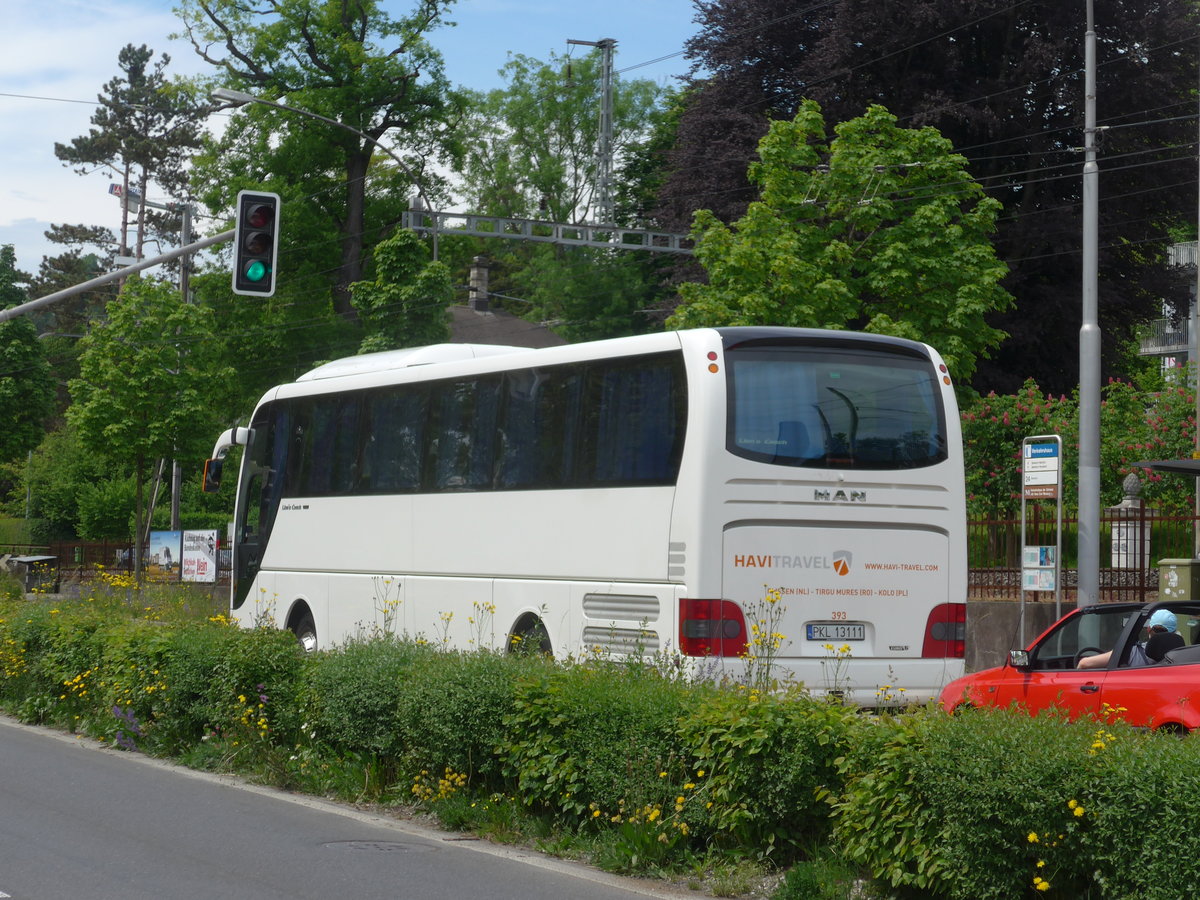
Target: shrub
x=354, y=695
x=761, y=761
x=451, y=712
x=10, y=587
x=594, y=739
x=996, y=804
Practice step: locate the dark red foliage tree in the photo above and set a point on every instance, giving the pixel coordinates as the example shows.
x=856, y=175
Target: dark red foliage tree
x=1003, y=80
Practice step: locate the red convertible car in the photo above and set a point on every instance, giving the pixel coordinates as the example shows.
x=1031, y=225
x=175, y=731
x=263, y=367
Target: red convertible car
x=1162, y=692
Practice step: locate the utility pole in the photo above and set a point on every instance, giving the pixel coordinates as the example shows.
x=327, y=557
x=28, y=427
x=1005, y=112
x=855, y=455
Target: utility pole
x=1195, y=372
x=605, y=205
x=185, y=269
x=1089, y=344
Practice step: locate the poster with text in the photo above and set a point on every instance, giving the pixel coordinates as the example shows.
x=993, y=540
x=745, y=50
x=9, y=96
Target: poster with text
x=200, y=556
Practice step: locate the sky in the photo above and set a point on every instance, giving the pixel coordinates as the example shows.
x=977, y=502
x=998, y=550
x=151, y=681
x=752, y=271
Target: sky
x=59, y=54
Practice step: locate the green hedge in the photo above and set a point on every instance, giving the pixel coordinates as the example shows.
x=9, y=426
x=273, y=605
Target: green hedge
x=660, y=772
x=996, y=804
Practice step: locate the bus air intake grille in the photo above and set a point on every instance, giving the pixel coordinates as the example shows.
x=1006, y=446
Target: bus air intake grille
x=621, y=608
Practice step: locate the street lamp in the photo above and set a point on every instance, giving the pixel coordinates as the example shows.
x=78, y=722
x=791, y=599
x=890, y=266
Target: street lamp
x=240, y=98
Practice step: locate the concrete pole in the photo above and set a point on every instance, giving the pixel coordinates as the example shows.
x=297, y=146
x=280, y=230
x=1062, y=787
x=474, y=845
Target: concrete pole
x=1089, y=346
x=185, y=267
x=1195, y=373
x=606, y=207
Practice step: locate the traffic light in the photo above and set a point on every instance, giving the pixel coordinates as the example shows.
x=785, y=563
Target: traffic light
x=256, y=243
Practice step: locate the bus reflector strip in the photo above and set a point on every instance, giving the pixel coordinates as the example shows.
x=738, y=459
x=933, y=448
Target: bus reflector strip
x=946, y=632
x=711, y=628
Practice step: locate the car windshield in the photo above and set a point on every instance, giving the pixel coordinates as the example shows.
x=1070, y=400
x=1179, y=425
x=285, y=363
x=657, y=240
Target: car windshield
x=1100, y=628
x=1093, y=631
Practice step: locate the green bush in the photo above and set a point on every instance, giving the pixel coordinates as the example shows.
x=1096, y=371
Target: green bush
x=632, y=768
x=766, y=759
x=354, y=695
x=452, y=710
x=598, y=738
x=10, y=587
x=997, y=804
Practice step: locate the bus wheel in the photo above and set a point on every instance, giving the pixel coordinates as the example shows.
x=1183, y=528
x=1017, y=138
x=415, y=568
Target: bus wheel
x=529, y=636
x=305, y=630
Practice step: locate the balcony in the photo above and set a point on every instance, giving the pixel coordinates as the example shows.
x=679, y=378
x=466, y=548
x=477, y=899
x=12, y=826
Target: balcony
x=1162, y=336
x=1165, y=338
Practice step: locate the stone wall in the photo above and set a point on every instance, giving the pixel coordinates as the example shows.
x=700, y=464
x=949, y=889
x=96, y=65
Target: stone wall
x=994, y=628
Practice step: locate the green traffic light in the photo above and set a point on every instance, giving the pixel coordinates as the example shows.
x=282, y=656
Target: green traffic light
x=256, y=270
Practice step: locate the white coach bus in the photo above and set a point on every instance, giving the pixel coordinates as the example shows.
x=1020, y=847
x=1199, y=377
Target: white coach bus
x=642, y=492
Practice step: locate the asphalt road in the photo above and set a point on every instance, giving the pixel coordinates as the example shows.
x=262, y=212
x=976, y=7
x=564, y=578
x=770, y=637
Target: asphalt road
x=79, y=821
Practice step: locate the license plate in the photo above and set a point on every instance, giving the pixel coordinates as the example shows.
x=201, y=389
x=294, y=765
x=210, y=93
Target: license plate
x=836, y=631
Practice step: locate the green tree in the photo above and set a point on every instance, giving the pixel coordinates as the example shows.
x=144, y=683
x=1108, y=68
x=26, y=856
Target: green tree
x=879, y=229
x=26, y=385
x=586, y=293
x=88, y=252
x=49, y=485
x=531, y=152
x=531, y=145
x=148, y=385
x=347, y=60
x=405, y=306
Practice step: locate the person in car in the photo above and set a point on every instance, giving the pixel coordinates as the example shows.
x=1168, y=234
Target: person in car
x=1161, y=637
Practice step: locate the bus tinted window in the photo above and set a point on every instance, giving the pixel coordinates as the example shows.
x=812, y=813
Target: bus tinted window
x=798, y=405
x=393, y=432
x=635, y=421
x=618, y=422
x=462, y=440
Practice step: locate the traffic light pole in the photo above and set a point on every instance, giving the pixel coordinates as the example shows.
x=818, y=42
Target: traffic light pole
x=75, y=290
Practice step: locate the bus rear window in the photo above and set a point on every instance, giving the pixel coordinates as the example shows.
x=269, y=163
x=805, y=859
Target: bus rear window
x=834, y=407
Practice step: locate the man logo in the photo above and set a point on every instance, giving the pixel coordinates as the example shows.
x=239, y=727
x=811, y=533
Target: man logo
x=841, y=561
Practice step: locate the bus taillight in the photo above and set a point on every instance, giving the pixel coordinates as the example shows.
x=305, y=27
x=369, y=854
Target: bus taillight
x=946, y=632
x=711, y=628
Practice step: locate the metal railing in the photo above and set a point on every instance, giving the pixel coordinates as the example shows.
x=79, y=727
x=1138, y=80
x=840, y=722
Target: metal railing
x=1131, y=544
x=1164, y=337
x=993, y=553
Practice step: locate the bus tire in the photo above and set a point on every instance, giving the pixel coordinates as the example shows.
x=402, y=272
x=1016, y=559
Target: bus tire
x=529, y=636
x=305, y=630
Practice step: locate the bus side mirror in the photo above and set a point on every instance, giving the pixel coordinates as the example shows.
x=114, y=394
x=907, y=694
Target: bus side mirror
x=1018, y=659
x=212, y=467
x=212, y=475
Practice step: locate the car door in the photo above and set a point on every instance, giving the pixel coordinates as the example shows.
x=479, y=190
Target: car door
x=1051, y=679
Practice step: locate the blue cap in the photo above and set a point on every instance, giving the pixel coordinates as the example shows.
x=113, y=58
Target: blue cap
x=1163, y=617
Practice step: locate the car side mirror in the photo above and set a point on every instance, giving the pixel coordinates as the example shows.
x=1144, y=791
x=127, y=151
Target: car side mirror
x=1018, y=659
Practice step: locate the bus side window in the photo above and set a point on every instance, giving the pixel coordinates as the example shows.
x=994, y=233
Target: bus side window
x=450, y=439
x=633, y=428
x=481, y=465
x=538, y=428
x=395, y=421
x=514, y=464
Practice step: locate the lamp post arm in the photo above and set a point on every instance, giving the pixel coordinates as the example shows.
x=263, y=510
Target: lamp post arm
x=240, y=98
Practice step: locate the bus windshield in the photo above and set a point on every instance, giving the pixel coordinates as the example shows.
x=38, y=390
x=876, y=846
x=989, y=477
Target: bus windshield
x=801, y=404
